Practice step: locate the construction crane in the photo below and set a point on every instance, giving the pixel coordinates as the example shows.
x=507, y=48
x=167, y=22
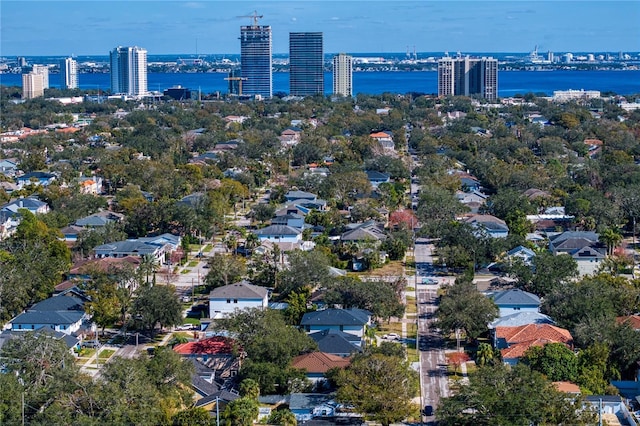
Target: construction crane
x=239, y=80
x=253, y=17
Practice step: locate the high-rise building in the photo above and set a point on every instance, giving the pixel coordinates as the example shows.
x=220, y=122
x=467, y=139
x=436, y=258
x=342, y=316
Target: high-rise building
x=129, y=71
x=68, y=73
x=255, y=58
x=32, y=85
x=468, y=76
x=343, y=75
x=306, y=64
x=44, y=71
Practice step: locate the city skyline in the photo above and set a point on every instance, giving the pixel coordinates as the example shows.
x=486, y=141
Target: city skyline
x=62, y=28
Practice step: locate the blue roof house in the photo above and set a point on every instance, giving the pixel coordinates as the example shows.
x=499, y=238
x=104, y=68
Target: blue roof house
x=60, y=313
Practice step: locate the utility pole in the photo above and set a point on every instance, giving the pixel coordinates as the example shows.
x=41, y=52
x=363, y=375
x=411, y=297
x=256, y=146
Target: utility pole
x=217, y=411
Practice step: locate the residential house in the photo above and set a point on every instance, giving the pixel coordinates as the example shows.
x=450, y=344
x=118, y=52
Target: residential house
x=204, y=158
x=235, y=119
x=567, y=387
x=594, y=146
x=306, y=406
x=521, y=318
x=213, y=374
x=513, y=342
x=32, y=204
x=7, y=224
x=241, y=295
x=227, y=146
x=305, y=206
x=488, y=225
x=292, y=220
x=71, y=232
x=583, y=246
x=337, y=342
x=316, y=365
x=84, y=270
x=376, y=178
x=279, y=234
x=352, y=321
x=157, y=247
x=290, y=136
x=216, y=346
x=299, y=195
x=612, y=408
x=35, y=178
x=9, y=167
x=71, y=341
x=100, y=219
x=363, y=232
x=632, y=321
x=385, y=139
x=534, y=193
x=525, y=254
x=90, y=185
x=473, y=199
x=8, y=187
x=61, y=313
x=514, y=301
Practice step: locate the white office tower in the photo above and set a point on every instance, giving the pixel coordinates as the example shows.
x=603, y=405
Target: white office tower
x=32, y=85
x=129, y=71
x=43, y=70
x=343, y=75
x=68, y=73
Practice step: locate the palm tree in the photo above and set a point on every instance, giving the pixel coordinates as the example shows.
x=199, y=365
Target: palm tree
x=148, y=266
x=485, y=354
x=611, y=237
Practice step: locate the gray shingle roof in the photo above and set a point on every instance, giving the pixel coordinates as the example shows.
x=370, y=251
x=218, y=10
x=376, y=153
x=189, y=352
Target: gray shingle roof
x=296, y=195
x=239, y=290
x=335, y=341
x=336, y=317
x=521, y=318
x=59, y=303
x=308, y=401
x=515, y=297
x=277, y=230
x=376, y=175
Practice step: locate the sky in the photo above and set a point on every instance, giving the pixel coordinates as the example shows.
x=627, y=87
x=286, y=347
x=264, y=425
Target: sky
x=94, y=27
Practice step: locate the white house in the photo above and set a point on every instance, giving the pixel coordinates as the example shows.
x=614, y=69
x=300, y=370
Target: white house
x=241, y=295
x=515, y=301
x=61, y=313
x=279, y=234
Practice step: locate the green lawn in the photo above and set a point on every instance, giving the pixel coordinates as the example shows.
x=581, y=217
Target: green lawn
x=106, y=354
x=411, y=307
x=86, y=352
x=193, y=263
x=207, y=248
x=185, y=271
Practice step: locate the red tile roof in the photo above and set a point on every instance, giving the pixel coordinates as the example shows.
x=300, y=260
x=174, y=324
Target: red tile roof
x=217, y=345
x=103, y=264
x=632, y=320
x=380, y=135
x=319, y=362
x=523, y=337
x=567, y=387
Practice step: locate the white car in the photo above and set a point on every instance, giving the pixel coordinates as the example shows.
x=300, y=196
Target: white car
x=391, y=336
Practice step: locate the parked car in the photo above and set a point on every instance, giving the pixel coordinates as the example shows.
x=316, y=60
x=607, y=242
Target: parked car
x=90, y=344
x=428, y=410
x=391, y=336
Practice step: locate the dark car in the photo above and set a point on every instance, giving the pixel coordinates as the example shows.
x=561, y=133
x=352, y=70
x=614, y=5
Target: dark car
x=428, y=410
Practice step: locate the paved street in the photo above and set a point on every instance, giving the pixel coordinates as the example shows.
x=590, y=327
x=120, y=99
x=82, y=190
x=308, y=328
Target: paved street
x=433, y=365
